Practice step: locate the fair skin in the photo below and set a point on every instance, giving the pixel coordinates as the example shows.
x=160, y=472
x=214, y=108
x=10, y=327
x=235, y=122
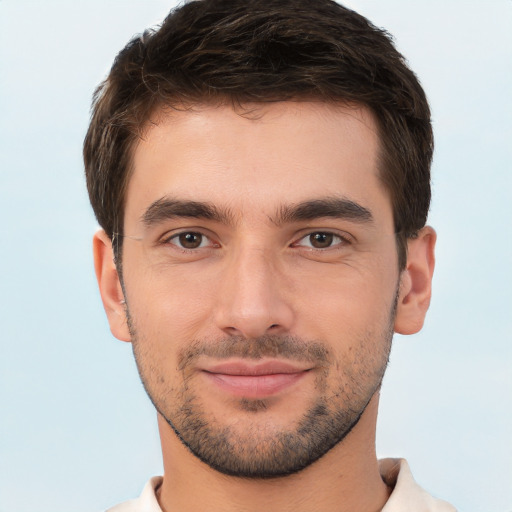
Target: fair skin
x=260, y=275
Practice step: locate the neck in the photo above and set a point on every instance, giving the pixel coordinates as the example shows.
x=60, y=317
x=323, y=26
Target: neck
x=347, y=478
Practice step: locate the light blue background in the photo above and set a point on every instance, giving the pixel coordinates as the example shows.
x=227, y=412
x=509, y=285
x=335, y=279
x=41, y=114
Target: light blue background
x=77, y=432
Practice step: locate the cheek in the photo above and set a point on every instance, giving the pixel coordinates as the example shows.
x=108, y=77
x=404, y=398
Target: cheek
x=169, y=304
x=329, y=301
x=346, y=300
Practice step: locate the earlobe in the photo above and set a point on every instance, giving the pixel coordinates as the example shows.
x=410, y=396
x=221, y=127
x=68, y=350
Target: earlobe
x=416, y=283
x=110, y=286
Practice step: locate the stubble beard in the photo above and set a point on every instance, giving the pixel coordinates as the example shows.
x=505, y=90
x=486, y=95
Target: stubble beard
x=258, y=450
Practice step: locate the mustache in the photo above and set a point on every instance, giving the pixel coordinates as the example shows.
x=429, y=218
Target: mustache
x=271, y=346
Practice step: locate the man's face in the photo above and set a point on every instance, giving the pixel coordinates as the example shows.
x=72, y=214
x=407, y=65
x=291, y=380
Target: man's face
x=260, y=277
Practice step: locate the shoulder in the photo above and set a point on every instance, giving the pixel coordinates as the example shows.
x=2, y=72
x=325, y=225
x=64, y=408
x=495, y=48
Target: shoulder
x=407, y=495
x=146, y=502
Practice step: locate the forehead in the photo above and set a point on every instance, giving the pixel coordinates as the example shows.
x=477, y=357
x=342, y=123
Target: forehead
x=259, y=158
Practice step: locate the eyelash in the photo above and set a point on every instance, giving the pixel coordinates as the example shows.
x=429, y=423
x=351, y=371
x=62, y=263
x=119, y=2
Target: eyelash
x=176, y=236
x=341, y=241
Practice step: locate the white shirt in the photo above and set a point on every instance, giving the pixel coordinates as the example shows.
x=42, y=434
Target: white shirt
x=407, y=495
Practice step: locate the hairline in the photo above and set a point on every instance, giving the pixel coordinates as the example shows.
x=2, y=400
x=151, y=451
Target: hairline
x=164, y=109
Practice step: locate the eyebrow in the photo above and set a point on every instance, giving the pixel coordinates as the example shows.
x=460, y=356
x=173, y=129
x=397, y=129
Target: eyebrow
x=167, y=208
x=335, y=207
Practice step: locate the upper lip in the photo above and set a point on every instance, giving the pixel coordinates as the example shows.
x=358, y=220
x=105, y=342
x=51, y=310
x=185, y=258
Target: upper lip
x=247, y=368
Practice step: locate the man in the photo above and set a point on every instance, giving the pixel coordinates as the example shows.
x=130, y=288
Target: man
x=260, y=171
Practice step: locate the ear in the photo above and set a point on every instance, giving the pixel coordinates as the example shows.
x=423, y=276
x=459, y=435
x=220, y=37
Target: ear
x=110, y=286
x=416, y=282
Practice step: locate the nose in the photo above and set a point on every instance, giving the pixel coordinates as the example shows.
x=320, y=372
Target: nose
x=252, y=297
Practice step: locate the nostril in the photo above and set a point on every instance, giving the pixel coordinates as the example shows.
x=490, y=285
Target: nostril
x=273, y=326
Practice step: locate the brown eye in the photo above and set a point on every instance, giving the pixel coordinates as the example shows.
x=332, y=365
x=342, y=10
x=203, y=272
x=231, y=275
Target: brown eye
x=190, y=240
x=321, y=240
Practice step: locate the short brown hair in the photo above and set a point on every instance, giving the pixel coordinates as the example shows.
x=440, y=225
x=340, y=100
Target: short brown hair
x=246, y=51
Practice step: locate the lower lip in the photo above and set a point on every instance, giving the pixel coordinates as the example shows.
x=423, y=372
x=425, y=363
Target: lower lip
x=255, y=386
